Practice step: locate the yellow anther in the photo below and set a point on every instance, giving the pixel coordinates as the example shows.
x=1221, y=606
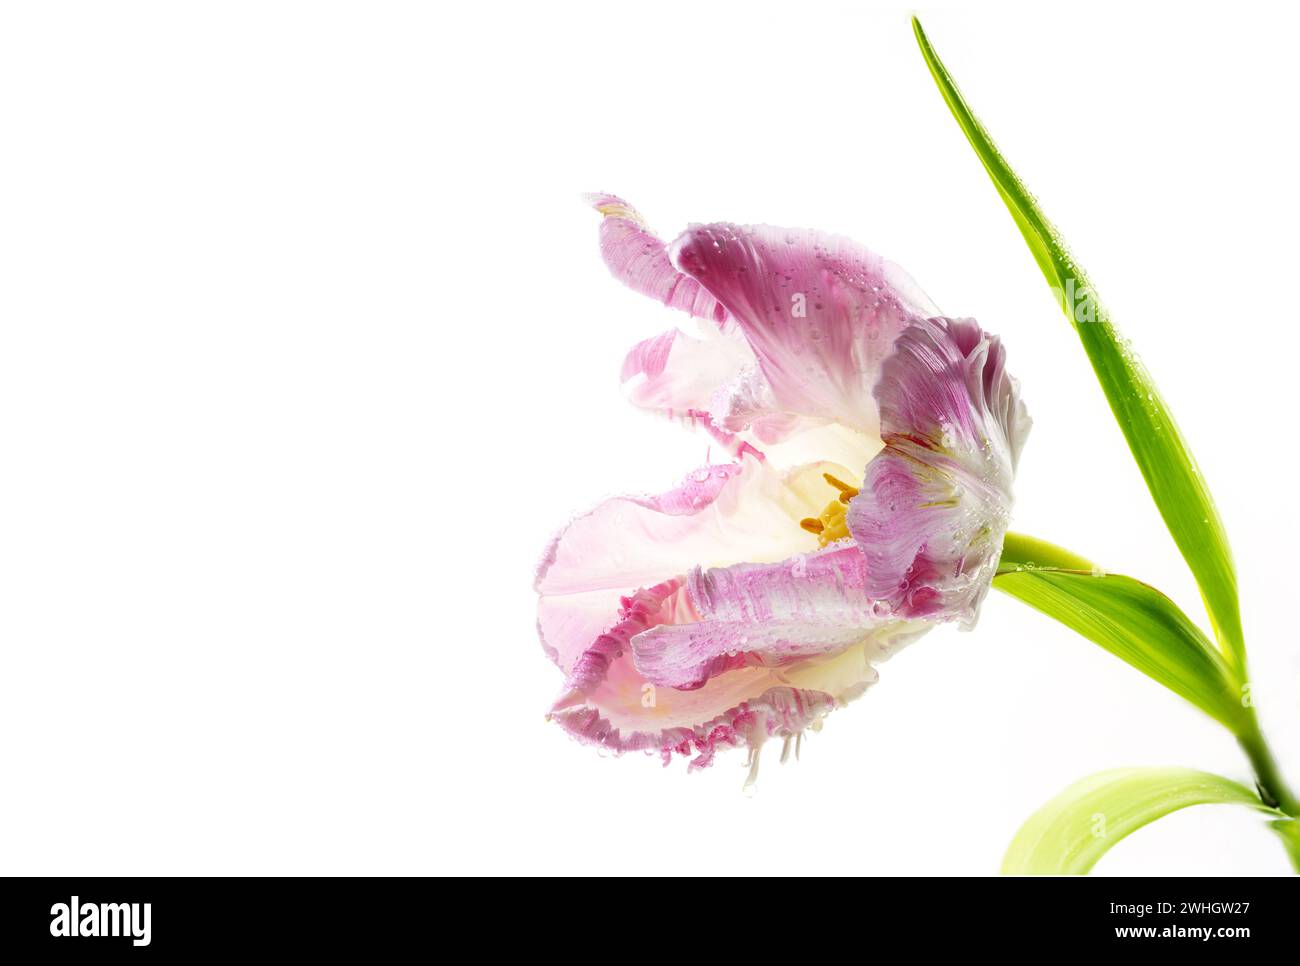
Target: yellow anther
x=846, y=492
x=832, y=523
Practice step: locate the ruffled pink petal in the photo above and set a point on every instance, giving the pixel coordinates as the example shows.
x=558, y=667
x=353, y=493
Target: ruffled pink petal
x=639, y=260
x=936, y=501
x=632, y=541
x=688, y=655
x=820, y=313
x=640, y=611
x=718, y=515
x=676, y=374
x=568, y=623
x=607, y=702
x=746, y=405
x=772, y=616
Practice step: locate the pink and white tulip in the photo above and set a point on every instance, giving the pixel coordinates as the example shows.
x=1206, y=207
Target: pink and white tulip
x=760, y=594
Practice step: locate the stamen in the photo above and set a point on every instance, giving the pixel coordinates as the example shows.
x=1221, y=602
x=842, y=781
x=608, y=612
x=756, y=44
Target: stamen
x=846, y=492
x=831, y=524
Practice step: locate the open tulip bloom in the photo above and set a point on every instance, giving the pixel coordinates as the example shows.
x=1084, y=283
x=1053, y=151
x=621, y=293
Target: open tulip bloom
x=872, y=445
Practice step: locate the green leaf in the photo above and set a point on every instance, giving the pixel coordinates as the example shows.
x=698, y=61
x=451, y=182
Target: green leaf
x=1166, y=463
x=1076, y=828
x=1020, y=552
x=1137, y=624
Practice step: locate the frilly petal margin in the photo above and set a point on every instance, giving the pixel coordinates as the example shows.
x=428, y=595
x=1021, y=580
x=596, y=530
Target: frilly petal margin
x=608, y=704
x=731, y=657
x=779, y=712
x=936, y=501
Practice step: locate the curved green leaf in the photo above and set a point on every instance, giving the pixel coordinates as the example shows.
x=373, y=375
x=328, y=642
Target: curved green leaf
x=1137, y=624
x=1076, y=828
x=1176, y=485
x=1021, y=552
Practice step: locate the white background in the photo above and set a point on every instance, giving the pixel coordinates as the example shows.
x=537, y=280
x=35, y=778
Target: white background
x=306, y=348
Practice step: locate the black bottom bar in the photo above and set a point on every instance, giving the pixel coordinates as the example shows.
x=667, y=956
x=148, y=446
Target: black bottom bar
x=146, y=917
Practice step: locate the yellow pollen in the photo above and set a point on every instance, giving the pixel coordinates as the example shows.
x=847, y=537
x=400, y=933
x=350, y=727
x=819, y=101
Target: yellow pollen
x=832, y=523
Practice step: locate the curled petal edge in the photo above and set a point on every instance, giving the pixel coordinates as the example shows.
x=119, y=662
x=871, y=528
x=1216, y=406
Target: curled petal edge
x=935, y=502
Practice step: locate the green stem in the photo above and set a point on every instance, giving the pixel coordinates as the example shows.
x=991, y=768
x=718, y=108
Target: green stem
x=1273, y=788
x=1268, y=776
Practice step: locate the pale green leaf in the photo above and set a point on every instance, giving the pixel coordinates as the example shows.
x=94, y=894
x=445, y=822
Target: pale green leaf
x=1076, y=828
x=1137, y=624
x=1162, y=455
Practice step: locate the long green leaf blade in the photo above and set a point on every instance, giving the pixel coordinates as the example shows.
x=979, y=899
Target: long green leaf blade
x=1076, y=828
x=1137, y=624
x=1162, y=455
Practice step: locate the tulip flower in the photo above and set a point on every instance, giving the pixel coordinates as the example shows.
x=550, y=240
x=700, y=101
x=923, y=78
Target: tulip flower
x=872, y=446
